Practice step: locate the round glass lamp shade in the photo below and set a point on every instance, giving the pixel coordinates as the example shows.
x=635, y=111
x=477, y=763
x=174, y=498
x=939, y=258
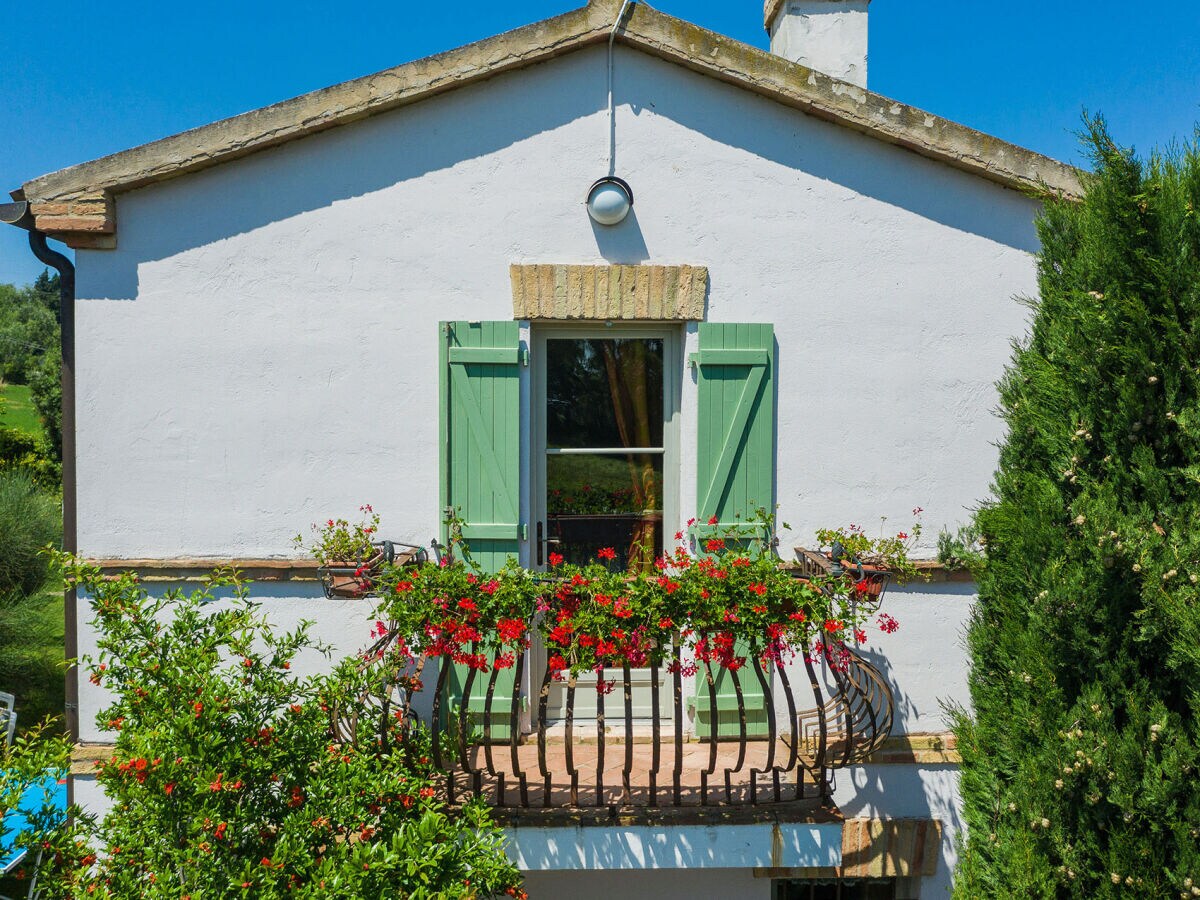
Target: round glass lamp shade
x=609, y=201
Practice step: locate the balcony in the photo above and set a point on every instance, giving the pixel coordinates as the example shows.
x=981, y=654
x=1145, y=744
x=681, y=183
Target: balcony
x=783, y=729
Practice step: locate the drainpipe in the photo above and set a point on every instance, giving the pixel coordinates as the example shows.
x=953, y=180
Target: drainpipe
x=612, y=109
x=19, y=214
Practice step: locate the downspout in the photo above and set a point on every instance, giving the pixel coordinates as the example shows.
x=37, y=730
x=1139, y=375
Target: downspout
x=19, y=215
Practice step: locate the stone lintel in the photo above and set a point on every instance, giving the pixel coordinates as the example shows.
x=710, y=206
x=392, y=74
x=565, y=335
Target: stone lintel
x=559, y=292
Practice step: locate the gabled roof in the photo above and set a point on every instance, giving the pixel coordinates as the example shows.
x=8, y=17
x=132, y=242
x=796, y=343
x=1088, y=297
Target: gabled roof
x=77, y=204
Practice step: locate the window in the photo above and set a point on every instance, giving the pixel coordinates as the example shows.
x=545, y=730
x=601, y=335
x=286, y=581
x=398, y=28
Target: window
x=837, y=889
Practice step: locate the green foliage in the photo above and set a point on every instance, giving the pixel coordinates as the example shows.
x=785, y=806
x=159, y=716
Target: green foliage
x=28, y=327
x=961, y=549
x=31, y=654
x=29, y=520
x=30, y=355
x=338, y=542
x=45, y=384
x=29, y=455
x=229, y=777
x=1080, y=764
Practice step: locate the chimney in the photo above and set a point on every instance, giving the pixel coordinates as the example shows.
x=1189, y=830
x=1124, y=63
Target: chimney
x=827, y=35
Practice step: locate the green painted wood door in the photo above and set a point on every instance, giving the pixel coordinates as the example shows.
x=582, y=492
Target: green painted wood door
x=481, y=473
x=735, y=464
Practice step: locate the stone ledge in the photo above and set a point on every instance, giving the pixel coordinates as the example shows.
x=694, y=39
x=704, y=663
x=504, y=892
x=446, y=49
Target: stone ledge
x=200, y=568
x=933, y=571
x=927, y=749
x=607, y=293
x=918, y=749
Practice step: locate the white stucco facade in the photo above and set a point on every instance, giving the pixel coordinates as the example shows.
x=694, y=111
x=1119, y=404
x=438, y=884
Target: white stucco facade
x=261, y=350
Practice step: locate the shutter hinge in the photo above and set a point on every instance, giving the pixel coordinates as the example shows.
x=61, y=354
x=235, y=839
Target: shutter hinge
x=524, y=532
x=525, y=357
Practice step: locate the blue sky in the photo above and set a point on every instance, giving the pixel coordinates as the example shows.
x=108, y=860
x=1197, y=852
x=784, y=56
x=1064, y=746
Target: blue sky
x=80, y=79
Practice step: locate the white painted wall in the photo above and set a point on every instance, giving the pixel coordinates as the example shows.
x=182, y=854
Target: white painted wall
x=827, y=35
x=261, y=350
x=604, y=848
x=908, y=792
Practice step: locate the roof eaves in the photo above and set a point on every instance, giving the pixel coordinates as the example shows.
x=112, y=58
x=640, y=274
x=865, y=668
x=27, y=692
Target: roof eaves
x=847, y=104
x=77, y=204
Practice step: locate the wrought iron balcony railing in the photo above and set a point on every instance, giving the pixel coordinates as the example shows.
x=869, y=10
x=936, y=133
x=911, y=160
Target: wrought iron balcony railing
x=494, y=740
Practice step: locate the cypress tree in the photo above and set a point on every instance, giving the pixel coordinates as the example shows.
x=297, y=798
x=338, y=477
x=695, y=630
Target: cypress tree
x=1081, y=758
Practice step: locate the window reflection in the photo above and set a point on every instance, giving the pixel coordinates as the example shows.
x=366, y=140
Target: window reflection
x=605, y=397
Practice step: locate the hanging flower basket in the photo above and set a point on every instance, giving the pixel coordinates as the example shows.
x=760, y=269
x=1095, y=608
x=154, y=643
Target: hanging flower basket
x=350, y=555
x=870, y=581
x=353, y=580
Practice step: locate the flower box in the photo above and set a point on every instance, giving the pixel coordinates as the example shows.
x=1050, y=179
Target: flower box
x=870, y=581
x=353, y=580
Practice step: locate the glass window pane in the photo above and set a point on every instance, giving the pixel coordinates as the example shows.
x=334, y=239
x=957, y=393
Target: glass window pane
x=596, y=501
x=604, y=393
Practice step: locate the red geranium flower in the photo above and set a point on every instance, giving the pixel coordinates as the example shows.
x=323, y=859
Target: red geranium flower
x=606, y=553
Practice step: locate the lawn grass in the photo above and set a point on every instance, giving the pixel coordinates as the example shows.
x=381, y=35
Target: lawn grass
x=17, y=411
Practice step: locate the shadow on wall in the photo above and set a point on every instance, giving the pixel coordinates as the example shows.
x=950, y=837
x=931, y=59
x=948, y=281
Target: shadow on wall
x=903, y=707
x=829, y=151
x=365, y=157
x=622, y=244
x=474, y=122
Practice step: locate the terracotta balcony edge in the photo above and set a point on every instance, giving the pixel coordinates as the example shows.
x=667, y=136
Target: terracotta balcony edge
x=305, y=570
x=909, y=749
x=188, y=568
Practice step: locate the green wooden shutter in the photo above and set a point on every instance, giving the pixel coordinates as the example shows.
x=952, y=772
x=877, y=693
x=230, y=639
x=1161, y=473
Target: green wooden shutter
x=735, y=452
x=480, y=436
x=735, y=463
x=481, y=475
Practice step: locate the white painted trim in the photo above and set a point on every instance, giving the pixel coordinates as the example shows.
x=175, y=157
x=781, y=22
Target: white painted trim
x=673, y=376
x=672, y=336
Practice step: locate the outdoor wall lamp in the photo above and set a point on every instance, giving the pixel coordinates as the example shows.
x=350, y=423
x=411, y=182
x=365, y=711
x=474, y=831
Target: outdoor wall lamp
x=609, y=201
